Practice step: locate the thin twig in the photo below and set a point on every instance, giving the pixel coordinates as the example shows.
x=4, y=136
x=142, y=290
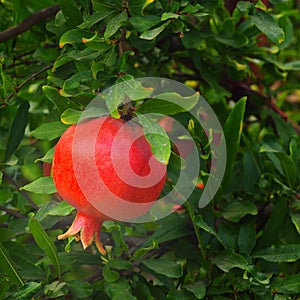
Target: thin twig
x=16, y=186
x=33, y=76
x=28, y=23
x=11, y=212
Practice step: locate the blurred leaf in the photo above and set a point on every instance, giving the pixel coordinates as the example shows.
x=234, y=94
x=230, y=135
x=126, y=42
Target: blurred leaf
x=247, y=236
x=198, y=288
x=227, y=260
x=169, y=15
x=295, y=217
x=272, y=228
x=283, y=253
x=234, y=211
x=164, y=266
x=26, y=291
x=157, y=138
x=56, y=289
x=119, y=290
x=143, y=23
x=288, y=285
x=42, y=185
x=4, y=286
x=153, y=33
x=49, y=131
x=114, y=24
x=110, y=275
x=8, y=267
x=144, y=250
x=233, y=40
x=71, y=12
x=106, y=5
x=266, y=23
x=232, y=131
x=17, y=129
x=119, y=264
x=44, y=242
x=80, y=289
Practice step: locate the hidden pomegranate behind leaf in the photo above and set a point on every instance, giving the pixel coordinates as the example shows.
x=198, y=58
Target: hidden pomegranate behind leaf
x=100, y=166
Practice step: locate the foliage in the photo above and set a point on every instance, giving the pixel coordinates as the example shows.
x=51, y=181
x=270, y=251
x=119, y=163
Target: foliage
x=243, y=57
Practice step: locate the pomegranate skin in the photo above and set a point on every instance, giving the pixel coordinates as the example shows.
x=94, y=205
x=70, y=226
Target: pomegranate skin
x=90, y=144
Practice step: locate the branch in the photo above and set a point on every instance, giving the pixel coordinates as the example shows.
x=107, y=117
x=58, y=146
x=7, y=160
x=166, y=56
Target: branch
x=28, y=23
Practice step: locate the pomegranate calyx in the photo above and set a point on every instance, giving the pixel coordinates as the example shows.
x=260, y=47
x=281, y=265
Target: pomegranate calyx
x=89, y=229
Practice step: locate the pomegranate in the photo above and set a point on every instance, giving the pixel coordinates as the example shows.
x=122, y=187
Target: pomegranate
x=93, y=171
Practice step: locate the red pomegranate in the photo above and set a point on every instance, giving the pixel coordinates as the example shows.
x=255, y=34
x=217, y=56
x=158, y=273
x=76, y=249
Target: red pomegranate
x=104, y=168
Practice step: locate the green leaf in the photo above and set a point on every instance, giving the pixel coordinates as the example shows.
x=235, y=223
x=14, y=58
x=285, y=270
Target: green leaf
x=144, y=23
x=49, y=131
x=70, y=116
x=286, y=162
x=283, y=253
x=144, y=250
x=42, y=185
x=273, y=227
x=247, y=236
x=198, y=288
x=289, y=285
x=8, y=267
x=227, y=260
x=266, y=23
x=232, y=131
x=96, y=17
x=199, y=221
x=171, y=228
x=62, y=103
x=4, y=286
x=153, y=33
x=110, y=275
x=233, y=40
x=119, y=264
x=56, y=289
x=106, y=5
x=234, y=211
x=73, y=37
x=28, y=290
x=44, y=242
x=71, y=12
x=169, y=104
x=74, y=81
x=157, y=138
x=295, y=217
x=114, y=24
x=120, y=289
x=17, y=129
x=48, y=157
x=169, y=15
x=81, y=289
x=61, y=209
x=164, y=266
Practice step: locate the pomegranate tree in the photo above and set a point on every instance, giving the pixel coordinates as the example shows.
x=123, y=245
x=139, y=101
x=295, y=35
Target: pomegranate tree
x=101, y=144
